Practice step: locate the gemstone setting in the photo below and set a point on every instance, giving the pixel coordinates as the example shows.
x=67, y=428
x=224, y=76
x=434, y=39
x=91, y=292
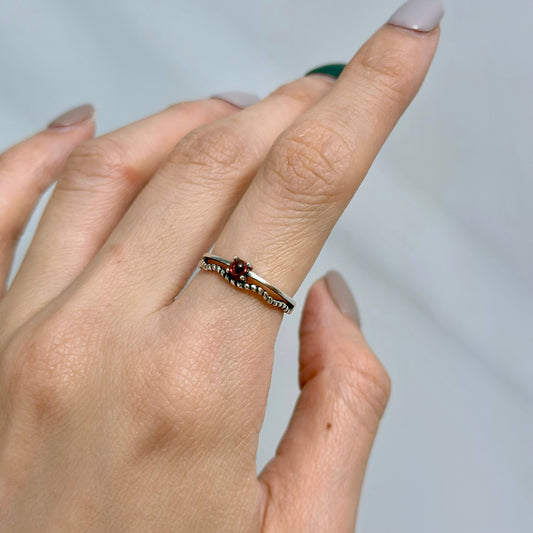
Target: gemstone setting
x=239, y=269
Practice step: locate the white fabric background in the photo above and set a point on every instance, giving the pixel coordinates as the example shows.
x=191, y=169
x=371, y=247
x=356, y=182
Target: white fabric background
x=437, y=244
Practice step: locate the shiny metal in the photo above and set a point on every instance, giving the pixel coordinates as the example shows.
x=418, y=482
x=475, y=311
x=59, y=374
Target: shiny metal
x=249, y=281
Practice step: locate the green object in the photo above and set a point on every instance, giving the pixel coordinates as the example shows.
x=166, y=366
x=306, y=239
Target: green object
x=333, y=70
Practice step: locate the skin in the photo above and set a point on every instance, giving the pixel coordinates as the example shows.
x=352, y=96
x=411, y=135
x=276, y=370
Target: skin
x=122, y=409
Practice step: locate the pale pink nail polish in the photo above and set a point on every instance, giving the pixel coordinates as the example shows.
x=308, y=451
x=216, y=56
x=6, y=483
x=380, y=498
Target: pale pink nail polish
x=418, y=15
x=342, y=295
x=73, y=117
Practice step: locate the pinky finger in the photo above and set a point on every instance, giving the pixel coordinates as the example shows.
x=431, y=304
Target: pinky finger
x=28, y=168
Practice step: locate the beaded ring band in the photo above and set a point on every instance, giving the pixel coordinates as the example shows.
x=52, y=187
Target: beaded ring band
x=239, y=273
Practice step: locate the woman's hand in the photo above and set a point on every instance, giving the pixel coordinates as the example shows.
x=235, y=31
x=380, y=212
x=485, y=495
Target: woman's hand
x=124, y=409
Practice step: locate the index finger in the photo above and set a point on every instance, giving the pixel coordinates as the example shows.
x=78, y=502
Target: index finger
x=317, y=164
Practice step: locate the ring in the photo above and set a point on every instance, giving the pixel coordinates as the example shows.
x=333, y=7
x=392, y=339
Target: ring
x=239, y=273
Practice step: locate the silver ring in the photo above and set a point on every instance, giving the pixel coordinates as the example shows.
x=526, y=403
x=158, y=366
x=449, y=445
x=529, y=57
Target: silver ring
x=239, y=273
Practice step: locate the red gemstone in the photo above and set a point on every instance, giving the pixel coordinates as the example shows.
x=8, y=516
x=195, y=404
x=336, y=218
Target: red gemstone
x=238, y=268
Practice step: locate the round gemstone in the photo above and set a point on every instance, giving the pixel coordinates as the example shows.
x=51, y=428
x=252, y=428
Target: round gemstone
x=238, y=268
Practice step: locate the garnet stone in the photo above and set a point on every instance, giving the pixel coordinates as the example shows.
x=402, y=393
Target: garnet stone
x=238, y=268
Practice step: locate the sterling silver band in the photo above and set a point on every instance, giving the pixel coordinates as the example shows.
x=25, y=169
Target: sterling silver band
x=248, y=281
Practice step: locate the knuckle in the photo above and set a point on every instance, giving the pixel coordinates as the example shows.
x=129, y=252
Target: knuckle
x=48, y=368
x=30, y=157
x=308, y=164
x=103, y=158
x=183, y=401
x=17, y=156
x=214, y=149
x=206, y=110
x=161, y=412
x=301, y=93
x=182, y=108
x=391, y=72
x=174, y=401
x=13, y=158
x=363, y=384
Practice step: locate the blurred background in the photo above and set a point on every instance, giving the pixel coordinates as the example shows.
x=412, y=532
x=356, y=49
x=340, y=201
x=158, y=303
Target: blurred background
x=437, y=244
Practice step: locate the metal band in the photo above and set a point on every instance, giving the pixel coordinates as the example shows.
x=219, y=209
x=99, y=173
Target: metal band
x=248, y=281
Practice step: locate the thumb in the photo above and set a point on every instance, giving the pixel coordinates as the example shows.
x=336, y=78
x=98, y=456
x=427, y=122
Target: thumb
x=314, y=481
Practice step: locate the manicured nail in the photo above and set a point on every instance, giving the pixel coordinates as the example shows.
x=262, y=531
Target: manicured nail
x=333, y=70
x=238, y=99
x=73, y=117
x=342, y=295
x=419, y=15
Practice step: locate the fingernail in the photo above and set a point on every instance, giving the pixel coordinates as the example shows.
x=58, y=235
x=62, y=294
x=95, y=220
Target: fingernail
x=419, y=15
x=73, y=117
x=342, y=295
x=238, y=99
x=332, y=70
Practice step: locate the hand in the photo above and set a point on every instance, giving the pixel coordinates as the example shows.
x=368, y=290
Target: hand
x=124, y=409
